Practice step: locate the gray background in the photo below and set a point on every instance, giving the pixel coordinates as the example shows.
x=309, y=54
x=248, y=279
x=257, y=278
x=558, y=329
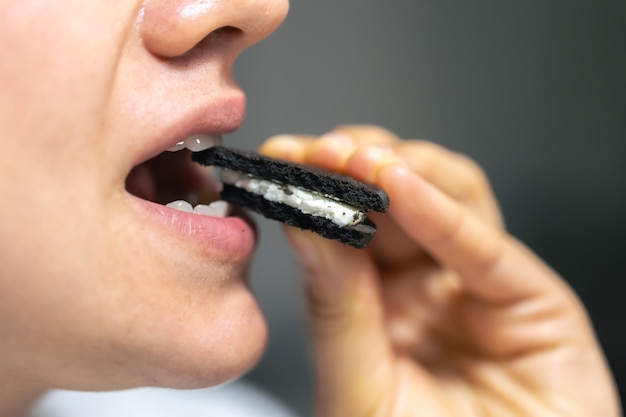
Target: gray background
x=535, y=91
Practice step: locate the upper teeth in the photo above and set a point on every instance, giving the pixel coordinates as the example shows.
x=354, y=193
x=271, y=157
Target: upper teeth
x=197, y=142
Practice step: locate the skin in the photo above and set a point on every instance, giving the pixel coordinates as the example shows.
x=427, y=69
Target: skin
x=91, y=296
x=444, y=314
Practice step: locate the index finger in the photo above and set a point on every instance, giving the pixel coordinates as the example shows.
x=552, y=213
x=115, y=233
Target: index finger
x=492, y=265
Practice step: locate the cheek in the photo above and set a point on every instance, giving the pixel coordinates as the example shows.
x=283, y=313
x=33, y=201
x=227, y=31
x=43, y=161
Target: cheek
x=49, y=240
x=54, y=87
x=55, y=79
x=48, y=256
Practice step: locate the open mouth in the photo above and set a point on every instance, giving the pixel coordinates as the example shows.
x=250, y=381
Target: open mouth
x=172, y=179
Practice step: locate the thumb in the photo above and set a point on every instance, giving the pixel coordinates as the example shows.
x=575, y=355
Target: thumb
x=353, y=356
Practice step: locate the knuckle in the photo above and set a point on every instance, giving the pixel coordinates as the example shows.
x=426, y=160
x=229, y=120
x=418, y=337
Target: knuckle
x=425, y=148
x=420, y=155
x=332, y=320
x=477, y=182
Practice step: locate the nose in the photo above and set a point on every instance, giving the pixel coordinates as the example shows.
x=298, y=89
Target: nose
x=170, y=28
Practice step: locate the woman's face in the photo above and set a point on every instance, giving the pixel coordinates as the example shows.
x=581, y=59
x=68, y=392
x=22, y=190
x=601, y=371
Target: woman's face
x=101, y=285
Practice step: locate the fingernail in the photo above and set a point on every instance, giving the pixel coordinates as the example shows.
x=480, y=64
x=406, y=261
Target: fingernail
x=337, y=140
x=288, y=141
x=380, y=150
x=371, y=160
x=396, y=177
x=382, y=154
x=283, y=146
x=400, y=168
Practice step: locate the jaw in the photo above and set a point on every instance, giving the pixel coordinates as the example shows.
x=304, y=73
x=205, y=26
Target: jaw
x=185, y=331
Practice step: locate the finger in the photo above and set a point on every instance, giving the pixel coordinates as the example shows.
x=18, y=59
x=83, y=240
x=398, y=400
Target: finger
x=493, y=266
x=454, y=174
x=494, y=269
x=334, y=149
x=337, y=151
x=289, y=147
x=330, y=150
x=352, y=351
x=418, y=304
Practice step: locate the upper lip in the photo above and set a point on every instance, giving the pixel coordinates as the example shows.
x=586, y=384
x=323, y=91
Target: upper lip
x=215, y=118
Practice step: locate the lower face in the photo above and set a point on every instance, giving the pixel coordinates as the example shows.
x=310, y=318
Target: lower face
x=101, y=288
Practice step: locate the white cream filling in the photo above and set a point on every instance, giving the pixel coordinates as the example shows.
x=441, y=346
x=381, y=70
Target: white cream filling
x=308, y=202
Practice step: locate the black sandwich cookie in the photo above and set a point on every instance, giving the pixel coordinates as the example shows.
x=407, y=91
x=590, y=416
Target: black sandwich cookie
x=332, y=205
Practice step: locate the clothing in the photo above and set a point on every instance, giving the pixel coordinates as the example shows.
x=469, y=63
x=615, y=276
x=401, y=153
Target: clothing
x=235, y=399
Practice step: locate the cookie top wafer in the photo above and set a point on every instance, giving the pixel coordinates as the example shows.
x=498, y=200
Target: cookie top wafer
x=333, y=205
x=350, y=191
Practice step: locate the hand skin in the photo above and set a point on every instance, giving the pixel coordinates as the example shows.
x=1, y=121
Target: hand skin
x=444, y=314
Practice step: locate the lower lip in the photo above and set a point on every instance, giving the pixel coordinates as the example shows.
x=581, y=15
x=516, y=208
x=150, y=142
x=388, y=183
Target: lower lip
x=228, y=239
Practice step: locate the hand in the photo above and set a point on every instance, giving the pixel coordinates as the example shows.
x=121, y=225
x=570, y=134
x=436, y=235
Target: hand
x=444, y=314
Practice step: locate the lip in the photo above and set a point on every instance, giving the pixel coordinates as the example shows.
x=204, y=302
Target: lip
x=215, y=118
x=228, y=239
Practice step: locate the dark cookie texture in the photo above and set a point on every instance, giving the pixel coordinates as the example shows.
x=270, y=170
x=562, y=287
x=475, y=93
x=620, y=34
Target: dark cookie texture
x=355, y=193
x=361, y=195
x=358, y=236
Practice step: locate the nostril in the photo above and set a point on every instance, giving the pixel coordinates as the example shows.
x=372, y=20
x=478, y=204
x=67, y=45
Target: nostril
x=218, y=41
x=225, y=32
x=168, y=32
x=220, y=37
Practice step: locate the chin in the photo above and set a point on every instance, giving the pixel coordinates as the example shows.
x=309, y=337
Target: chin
x=214, y=355
x=183, y=332
x=206, y=346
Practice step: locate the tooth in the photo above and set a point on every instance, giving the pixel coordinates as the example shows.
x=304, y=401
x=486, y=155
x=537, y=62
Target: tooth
x=179, y=145
x=200, y=141
x=180, y=205
x=197, y=142
x=215, y=209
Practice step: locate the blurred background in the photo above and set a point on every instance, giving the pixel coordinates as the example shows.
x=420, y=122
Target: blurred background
x=534, y=91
